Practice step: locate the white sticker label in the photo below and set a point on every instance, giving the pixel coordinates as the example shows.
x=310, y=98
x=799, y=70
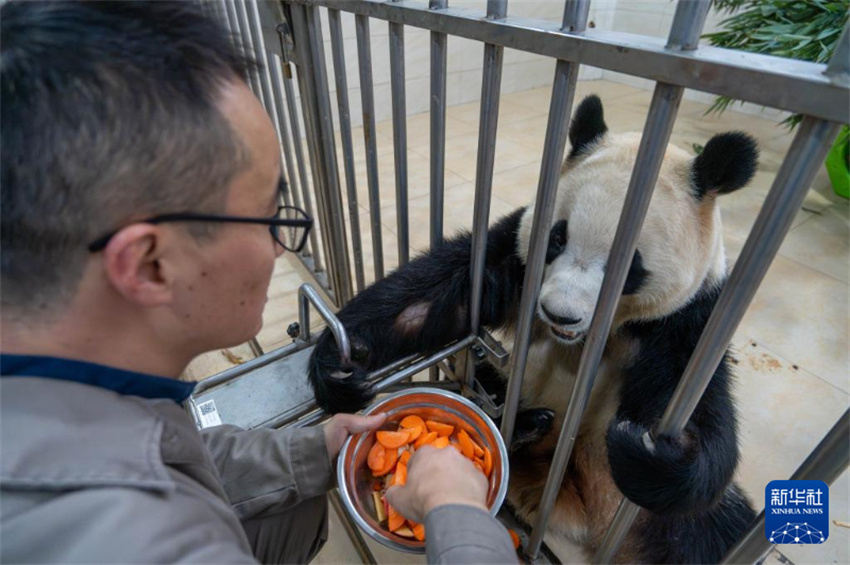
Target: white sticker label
x=208, y=414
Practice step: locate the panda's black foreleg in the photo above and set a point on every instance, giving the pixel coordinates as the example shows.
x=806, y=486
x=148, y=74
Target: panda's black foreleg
x=683, y=475
x=419, y=308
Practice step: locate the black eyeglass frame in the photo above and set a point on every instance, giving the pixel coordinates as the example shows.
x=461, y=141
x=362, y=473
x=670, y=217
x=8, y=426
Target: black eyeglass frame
x=276, y=222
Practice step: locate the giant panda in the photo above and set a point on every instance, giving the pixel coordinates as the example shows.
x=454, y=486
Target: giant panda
x=692, y=511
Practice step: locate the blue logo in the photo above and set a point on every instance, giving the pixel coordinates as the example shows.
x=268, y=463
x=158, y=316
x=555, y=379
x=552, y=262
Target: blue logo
x=796, y=512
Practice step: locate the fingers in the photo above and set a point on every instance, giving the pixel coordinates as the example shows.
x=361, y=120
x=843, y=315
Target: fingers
x=359, y=424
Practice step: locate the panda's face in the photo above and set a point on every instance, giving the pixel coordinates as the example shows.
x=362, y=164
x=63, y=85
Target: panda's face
x=679, y=249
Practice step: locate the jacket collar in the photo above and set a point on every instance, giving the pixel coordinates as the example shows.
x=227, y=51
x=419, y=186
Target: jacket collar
x=118, y=380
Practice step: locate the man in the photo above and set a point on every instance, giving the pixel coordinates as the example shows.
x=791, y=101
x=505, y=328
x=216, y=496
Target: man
x=140, y=225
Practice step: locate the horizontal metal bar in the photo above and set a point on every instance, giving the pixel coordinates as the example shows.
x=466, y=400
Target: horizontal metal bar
x=411, y=370
x=826, y=463
x=787, y=84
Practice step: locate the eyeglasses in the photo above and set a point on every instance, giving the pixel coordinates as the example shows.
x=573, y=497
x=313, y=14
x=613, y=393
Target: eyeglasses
x=289, y=226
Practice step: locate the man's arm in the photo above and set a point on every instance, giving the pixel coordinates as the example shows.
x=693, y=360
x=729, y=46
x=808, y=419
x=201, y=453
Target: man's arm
x=460, y=534
x=267, y=471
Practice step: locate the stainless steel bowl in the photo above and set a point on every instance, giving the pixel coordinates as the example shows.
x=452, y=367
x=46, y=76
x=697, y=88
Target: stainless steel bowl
x=354, y=477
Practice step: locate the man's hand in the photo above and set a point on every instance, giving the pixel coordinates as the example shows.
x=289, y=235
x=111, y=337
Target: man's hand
x=436, y=477
x=341, y=426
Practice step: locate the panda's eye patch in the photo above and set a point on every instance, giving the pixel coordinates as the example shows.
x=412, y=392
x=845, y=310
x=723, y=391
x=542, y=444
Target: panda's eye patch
x=557, y=241
x=637, y=275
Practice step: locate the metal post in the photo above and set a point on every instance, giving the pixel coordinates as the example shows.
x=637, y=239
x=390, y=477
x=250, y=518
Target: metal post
x=316, y=99
x=286, y=69
x=283, y=127
x=490, y=93
x=399, y=139
x=248, y=42
x=367, y=98
x=560, y=108
x=438, y=127
x=236, y=30
x=826, y=463
x=357, y=540
x=347, y=146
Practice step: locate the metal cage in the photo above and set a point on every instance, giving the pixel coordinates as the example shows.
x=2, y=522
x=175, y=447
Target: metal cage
x=286, y=34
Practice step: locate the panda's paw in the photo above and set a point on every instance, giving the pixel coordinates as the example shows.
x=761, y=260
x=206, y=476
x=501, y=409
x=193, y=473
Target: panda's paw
x=532, y=425
x=338, y=387
x=655, y=472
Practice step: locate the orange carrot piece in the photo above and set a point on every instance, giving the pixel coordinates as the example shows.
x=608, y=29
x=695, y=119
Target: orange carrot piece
x=456, y=445
x=400, y=477
x=479, y=467
x=414, y=432
x=425, y=440
x=441, y=442
x=419, y=532
x=392, y=440
x=465, y=444
x=443, y=430
x=377, y=458
x=412, y=421
x=514, y=538
x=395, y=519
x=488, y=462
x=404, y=457
x=390, y=459
x=479, y=451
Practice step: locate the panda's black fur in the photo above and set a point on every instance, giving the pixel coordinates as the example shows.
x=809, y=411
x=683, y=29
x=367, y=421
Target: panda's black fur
x=693, y=512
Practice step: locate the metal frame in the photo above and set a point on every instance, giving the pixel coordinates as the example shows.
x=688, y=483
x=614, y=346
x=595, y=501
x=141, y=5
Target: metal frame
x=818, y=92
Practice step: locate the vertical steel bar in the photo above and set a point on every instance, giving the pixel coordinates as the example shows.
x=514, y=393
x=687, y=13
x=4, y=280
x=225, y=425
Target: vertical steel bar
x=316, y=98
x=248, y=43
x=438, y=139
x=488, y=124
x=297, y=142
x=347, y=145
x=256, y=29
x=399, y=104
x=560, y=107
x=839, y=64
x=357, y=540
x=236, y=32
x=367, y=98
x=438, y=128
x=276, y=72
x=825, y=463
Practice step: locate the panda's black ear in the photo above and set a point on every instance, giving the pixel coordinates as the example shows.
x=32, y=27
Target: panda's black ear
x=727, y=162
x=588, y=125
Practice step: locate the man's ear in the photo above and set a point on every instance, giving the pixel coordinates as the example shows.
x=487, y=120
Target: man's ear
x=132, y=263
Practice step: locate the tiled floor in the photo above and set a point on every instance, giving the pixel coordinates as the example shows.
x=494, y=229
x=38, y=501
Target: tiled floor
x=792, y=346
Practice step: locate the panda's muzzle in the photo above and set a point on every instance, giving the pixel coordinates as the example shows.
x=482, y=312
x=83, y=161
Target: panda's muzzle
x=557, y=324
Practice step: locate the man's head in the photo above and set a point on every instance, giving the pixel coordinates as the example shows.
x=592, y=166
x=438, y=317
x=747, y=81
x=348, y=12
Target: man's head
x=113, y=112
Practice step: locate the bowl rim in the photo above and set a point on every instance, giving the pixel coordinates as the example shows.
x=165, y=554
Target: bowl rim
x=346, y=495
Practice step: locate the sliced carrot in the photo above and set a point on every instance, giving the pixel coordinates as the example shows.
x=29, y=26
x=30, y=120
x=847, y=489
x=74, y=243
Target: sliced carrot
x=393, y=440
x=479, y=451
x=419, y=532
x=377, y=458
x=425, y=440
x=456, y=445
x=396, y=520
x=414, y=432
x=488, y=462
x=465, y=444
x=478, y=466
x=443, y=430
x=441, y=442
x=404, y=457
x=400, y=476
x=390, y=459
x=514, y=538
x=412, y=421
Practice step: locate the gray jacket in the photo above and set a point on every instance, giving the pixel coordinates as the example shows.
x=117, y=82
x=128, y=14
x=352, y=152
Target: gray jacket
x=89, y=475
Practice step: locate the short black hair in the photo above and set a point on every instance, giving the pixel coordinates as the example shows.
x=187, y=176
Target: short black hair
x=108, y=114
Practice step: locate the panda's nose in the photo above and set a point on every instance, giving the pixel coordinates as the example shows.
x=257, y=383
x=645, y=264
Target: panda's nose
x=561, y=320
